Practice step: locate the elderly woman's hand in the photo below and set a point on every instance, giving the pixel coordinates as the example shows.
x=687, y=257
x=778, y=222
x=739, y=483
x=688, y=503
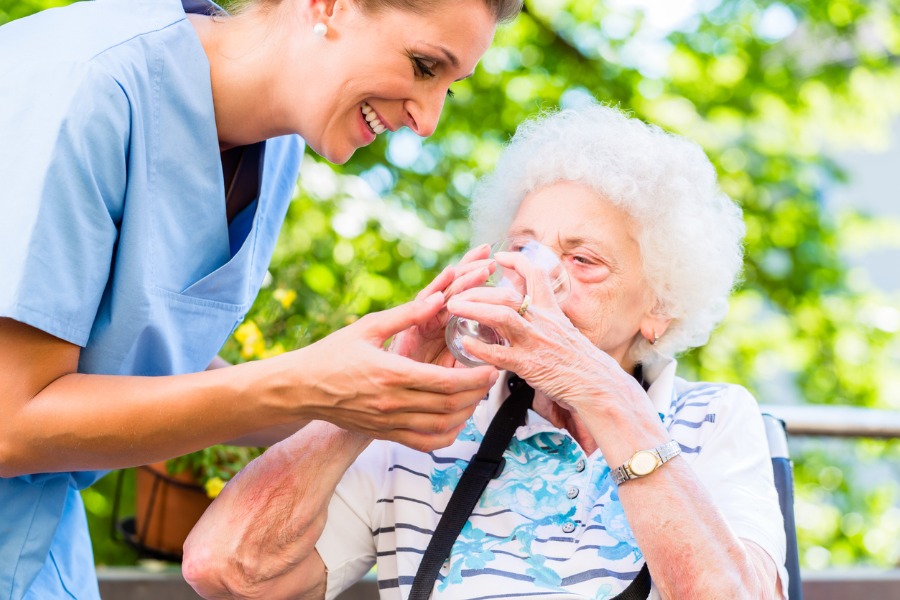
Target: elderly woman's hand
x=424, y=342
x=545, y=348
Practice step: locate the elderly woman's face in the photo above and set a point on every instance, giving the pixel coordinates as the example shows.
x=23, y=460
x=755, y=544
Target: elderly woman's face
x=609, y=301
x=390, y=69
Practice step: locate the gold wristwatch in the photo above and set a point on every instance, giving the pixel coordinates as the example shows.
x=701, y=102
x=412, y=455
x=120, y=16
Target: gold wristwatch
x=644, y=462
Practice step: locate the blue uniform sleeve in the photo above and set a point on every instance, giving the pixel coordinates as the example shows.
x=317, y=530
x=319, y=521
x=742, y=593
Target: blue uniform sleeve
x=63, y=170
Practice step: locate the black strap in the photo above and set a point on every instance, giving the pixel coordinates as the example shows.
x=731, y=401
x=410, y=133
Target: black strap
x=485, y=465
x=639, y=588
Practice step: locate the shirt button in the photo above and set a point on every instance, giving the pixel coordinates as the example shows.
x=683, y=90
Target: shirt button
x=572, y=493
x=568, y=527
x=580, y=465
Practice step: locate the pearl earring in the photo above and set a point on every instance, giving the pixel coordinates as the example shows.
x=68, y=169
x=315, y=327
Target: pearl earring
x=320, y=29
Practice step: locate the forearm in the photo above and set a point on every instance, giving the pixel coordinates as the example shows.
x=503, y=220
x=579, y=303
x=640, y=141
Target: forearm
x=691, y=550
x=55, y=419
x=80, y=421
x=685, y=539
x=258, y=538
x=263, y=437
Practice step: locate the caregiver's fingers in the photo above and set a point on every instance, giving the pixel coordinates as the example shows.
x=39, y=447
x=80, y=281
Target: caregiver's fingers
x=469, y=267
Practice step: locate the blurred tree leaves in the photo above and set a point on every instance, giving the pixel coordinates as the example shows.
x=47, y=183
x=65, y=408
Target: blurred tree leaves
x=765, y=87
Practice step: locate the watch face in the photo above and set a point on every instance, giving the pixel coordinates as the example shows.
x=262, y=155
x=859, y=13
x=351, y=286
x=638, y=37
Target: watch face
x=643, y=463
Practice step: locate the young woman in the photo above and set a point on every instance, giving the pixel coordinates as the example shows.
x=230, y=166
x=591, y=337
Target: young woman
x=150, y=150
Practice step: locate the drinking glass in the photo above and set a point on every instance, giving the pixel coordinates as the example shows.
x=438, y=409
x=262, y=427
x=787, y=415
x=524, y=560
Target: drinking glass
x=546, y=259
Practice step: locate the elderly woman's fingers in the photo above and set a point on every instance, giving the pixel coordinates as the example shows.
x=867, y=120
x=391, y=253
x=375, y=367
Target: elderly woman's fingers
x=502, y=357
x=469, y=303
x=528, y=277
x=523, y=307
x=518, y=330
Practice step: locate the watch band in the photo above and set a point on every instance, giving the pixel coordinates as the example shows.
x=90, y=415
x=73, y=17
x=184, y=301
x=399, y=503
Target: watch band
x=659, y=456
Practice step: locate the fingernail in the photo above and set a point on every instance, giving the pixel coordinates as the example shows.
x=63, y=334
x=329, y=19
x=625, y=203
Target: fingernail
x=493, y=378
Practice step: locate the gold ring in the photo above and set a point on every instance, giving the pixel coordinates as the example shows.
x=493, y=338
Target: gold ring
x=526, y=301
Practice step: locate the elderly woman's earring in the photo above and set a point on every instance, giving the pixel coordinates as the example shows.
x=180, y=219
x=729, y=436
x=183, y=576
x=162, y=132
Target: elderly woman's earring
x=655, y=338
x=320, y=29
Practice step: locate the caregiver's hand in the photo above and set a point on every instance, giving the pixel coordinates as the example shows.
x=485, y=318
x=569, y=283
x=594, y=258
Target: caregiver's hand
x=353, y=382
x=424, y=341
x=545, y=348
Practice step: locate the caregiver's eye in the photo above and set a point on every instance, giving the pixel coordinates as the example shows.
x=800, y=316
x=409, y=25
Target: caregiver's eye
x=423, y=67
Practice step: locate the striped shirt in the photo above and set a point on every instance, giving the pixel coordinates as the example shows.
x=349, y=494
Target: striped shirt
x=551, y=526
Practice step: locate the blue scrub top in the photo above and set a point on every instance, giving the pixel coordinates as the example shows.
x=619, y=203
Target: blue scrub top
x=113, y=234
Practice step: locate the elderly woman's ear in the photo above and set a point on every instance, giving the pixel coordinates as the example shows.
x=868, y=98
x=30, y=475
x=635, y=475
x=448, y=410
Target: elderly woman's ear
x=654, y=326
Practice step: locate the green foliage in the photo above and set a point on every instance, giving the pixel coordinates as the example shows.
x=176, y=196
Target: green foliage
x=108, y=502
x=15, y=9
x=217, y=462
x=803, y=327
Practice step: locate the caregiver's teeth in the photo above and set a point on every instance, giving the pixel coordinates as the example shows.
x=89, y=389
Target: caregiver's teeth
x=372, y=119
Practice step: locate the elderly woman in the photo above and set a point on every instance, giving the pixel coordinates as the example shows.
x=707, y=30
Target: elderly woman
x=652, y=248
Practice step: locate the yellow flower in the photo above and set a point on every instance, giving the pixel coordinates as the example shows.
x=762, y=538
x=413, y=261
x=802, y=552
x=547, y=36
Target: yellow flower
x=275, y=350
x=213, y=486
x=251, y=339
x=286, y=297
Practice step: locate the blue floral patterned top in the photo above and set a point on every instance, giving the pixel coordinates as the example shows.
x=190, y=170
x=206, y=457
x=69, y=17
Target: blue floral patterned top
x=551, y=525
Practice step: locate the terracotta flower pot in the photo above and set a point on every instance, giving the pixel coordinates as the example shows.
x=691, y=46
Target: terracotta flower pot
x=167, y=507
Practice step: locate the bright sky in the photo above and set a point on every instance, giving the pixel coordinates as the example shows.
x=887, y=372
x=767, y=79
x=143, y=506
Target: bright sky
x=664, y=15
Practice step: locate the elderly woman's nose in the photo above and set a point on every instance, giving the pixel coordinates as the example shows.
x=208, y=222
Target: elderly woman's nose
x=422, y=115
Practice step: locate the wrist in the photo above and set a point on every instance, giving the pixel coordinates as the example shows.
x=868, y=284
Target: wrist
x=645, y=462
x=279, y=387
x=624, y=426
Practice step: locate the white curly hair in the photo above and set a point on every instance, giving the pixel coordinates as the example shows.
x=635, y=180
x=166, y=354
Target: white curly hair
x=690, y=232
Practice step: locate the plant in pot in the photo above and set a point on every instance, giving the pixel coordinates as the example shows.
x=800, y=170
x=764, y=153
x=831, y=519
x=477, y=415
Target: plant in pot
x=171, y=495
